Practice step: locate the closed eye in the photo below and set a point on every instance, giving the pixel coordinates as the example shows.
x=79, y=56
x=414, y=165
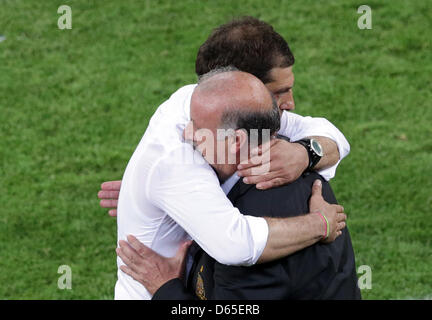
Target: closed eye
x=282, y=91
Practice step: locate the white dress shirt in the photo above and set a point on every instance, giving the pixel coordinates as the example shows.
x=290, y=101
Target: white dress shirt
x=169, y=193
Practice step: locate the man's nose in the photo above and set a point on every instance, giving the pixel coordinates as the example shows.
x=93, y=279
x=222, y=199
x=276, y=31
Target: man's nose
x=287, y=104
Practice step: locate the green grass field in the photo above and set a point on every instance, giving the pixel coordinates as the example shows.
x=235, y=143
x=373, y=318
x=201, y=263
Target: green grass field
x=75, y=103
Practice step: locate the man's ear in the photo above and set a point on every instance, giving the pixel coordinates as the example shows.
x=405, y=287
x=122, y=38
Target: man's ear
x=241, y=140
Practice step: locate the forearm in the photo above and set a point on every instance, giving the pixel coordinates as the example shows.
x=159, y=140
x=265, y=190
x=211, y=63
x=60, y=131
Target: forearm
x=331, y=153
x=288, y=235
x=191, y=195
x=335, y=145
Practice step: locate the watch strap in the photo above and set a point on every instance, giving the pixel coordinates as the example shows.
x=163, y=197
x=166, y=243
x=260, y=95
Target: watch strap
x=314, y=158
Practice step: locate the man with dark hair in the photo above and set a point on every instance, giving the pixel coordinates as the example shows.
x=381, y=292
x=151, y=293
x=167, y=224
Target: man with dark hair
x=320, y=271
x=249, y=44
x=253, y=46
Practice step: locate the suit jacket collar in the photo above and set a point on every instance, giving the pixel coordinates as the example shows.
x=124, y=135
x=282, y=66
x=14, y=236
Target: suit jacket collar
x=239, y=189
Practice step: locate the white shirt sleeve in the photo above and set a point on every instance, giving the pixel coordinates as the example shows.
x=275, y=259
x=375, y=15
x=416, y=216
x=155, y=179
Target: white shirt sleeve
x=297, y=127
x=189, y=192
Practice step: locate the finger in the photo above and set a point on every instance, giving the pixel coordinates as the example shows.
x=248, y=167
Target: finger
x=108, y=194
x=261, y=178
x=183, y=249
x=140, y=248
x=317, y=188
x=254, y=161
x=341, y=225
x=255, y=170
x=341, y=217
x=111, y=185
x=270, y=184
x=108, y=203
x=338, y=233
x=112, y=212
x=245, y=172
x=126, y=256
x=263, y=147
x=130, y=252
x=339, y=208
x=130, y=257
x=130, y=272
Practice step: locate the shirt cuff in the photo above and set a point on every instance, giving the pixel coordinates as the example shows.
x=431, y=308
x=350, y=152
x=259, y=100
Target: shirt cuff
x=259, y=230
x=330, y=172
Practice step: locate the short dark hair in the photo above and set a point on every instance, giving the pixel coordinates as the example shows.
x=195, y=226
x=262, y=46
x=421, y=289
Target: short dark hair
x=253, y=122
x=248, y=44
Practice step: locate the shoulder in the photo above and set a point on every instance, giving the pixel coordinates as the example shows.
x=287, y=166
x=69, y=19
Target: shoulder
x=286, y=200
x=187, y=89
x=175, y=111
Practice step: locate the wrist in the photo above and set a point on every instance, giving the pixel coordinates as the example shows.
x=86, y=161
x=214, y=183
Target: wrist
x=321, y=226
x=303, y=155
x=314, y=151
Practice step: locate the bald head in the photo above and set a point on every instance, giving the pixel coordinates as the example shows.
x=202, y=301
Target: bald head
x=226, y=98
x=227, y=89
x=234, y=104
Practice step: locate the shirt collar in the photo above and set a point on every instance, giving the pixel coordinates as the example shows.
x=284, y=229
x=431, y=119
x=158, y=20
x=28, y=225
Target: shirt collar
x=229, y=183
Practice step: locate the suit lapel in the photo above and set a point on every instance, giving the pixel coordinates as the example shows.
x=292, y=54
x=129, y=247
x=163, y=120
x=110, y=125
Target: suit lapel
x=238, y=190
x=200, y=278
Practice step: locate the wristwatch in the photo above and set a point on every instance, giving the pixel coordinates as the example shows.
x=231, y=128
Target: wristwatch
x=314, y=150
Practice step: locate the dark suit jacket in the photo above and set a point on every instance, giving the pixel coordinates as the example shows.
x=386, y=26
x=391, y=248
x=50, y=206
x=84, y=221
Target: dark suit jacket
x=321, y=271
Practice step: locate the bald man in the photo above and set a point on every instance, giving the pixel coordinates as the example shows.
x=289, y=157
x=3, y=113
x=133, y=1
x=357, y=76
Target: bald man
x=227, y=103
x=171, y=194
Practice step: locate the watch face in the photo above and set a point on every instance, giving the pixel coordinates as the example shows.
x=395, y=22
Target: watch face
x=316, y=147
